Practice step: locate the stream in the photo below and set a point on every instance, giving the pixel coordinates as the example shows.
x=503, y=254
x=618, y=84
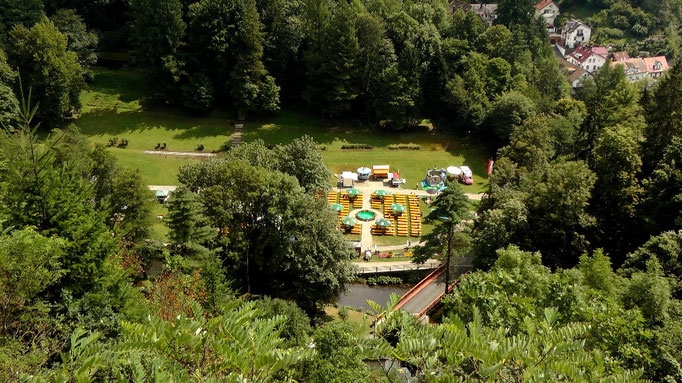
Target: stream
x=356, y=295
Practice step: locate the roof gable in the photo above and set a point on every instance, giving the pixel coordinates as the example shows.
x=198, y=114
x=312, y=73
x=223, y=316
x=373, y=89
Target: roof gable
x=543, y=4
x=656, y=64
x=574, y=24
x=582, y=53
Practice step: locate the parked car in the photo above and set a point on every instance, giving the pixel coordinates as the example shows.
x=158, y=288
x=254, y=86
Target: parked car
x=467, y=177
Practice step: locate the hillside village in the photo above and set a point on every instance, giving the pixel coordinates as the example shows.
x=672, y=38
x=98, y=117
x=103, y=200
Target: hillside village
x=574, y=48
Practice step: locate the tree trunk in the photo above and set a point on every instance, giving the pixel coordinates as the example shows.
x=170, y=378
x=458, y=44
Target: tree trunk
x=248, y=277
x=448, y=255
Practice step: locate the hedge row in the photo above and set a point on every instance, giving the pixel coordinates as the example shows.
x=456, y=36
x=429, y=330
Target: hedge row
x=357, y=146
x=404, y=147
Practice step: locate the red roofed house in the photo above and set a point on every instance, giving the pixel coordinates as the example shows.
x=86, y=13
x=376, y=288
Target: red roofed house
x=547, y=10
x=656, y=66
x=588, y=58
x=620, y=56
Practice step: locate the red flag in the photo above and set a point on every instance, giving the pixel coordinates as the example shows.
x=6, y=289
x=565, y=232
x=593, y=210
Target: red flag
x=490, y=166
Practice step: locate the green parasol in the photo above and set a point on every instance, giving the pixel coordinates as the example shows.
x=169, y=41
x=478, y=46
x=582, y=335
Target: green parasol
x=353, y=192
x=383, y=222
x=349, y=221
x=382, y=193
x=336, y=207
x=398, y=208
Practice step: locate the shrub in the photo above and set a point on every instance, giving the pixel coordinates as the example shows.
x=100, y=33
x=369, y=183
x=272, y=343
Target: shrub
x=124, y=143
x=385, y=280
x=404, y=147
x=357, y=146
x=343, y=313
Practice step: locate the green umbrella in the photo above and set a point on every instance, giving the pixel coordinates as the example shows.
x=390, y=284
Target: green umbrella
x=349, y=221
x=383, y=222
x=398, y=208
x=382, y=193
x=337, y=207
x=353, y=192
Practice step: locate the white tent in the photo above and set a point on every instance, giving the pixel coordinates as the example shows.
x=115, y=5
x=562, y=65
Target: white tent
x=349, y=175
x=453, y=171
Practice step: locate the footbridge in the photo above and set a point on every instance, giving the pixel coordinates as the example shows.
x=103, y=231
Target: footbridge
x=426, y=294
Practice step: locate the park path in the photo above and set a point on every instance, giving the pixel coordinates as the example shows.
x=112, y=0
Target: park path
x=366, y=233
x=390, y=267
x=178, y=154
x=237, y=135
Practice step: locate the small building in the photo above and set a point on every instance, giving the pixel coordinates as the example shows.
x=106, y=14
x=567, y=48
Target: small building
x=162, y=195
x=575, y=33
x=487, y=12
x=347, y=179
x=547, y=10
x=380, y=171
x=620, y=56
x=635, y=68
x=575, y=78
x=655, y=66
x=574, y=73
x=588, y=58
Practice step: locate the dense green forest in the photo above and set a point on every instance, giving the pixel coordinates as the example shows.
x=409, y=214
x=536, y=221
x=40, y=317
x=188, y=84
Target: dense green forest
x=577, y=243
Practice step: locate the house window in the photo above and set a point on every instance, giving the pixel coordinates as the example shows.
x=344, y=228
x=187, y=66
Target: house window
x=580, y=32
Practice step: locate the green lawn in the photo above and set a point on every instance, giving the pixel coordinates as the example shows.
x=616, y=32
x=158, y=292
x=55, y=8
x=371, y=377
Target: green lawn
x=159, y=228
x=114, y=106
x=155, y=170
x=438, y=150
x=391, y=240
x=360, y=321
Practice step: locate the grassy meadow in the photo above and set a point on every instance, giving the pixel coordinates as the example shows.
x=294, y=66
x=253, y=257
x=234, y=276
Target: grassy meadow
x=114, y=106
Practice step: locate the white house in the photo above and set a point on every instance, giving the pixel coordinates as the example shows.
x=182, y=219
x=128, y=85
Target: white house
x=588, y=58
x=576, y=33
x=635, y=68
x=547, y=10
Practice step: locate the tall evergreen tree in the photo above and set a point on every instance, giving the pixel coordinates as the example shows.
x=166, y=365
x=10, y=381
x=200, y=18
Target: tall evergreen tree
x=158, y=30
x=186, y=219
x=664, y=121
x=662, y=203
x=234, y=61
x=332, y=66
x=450, y=236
